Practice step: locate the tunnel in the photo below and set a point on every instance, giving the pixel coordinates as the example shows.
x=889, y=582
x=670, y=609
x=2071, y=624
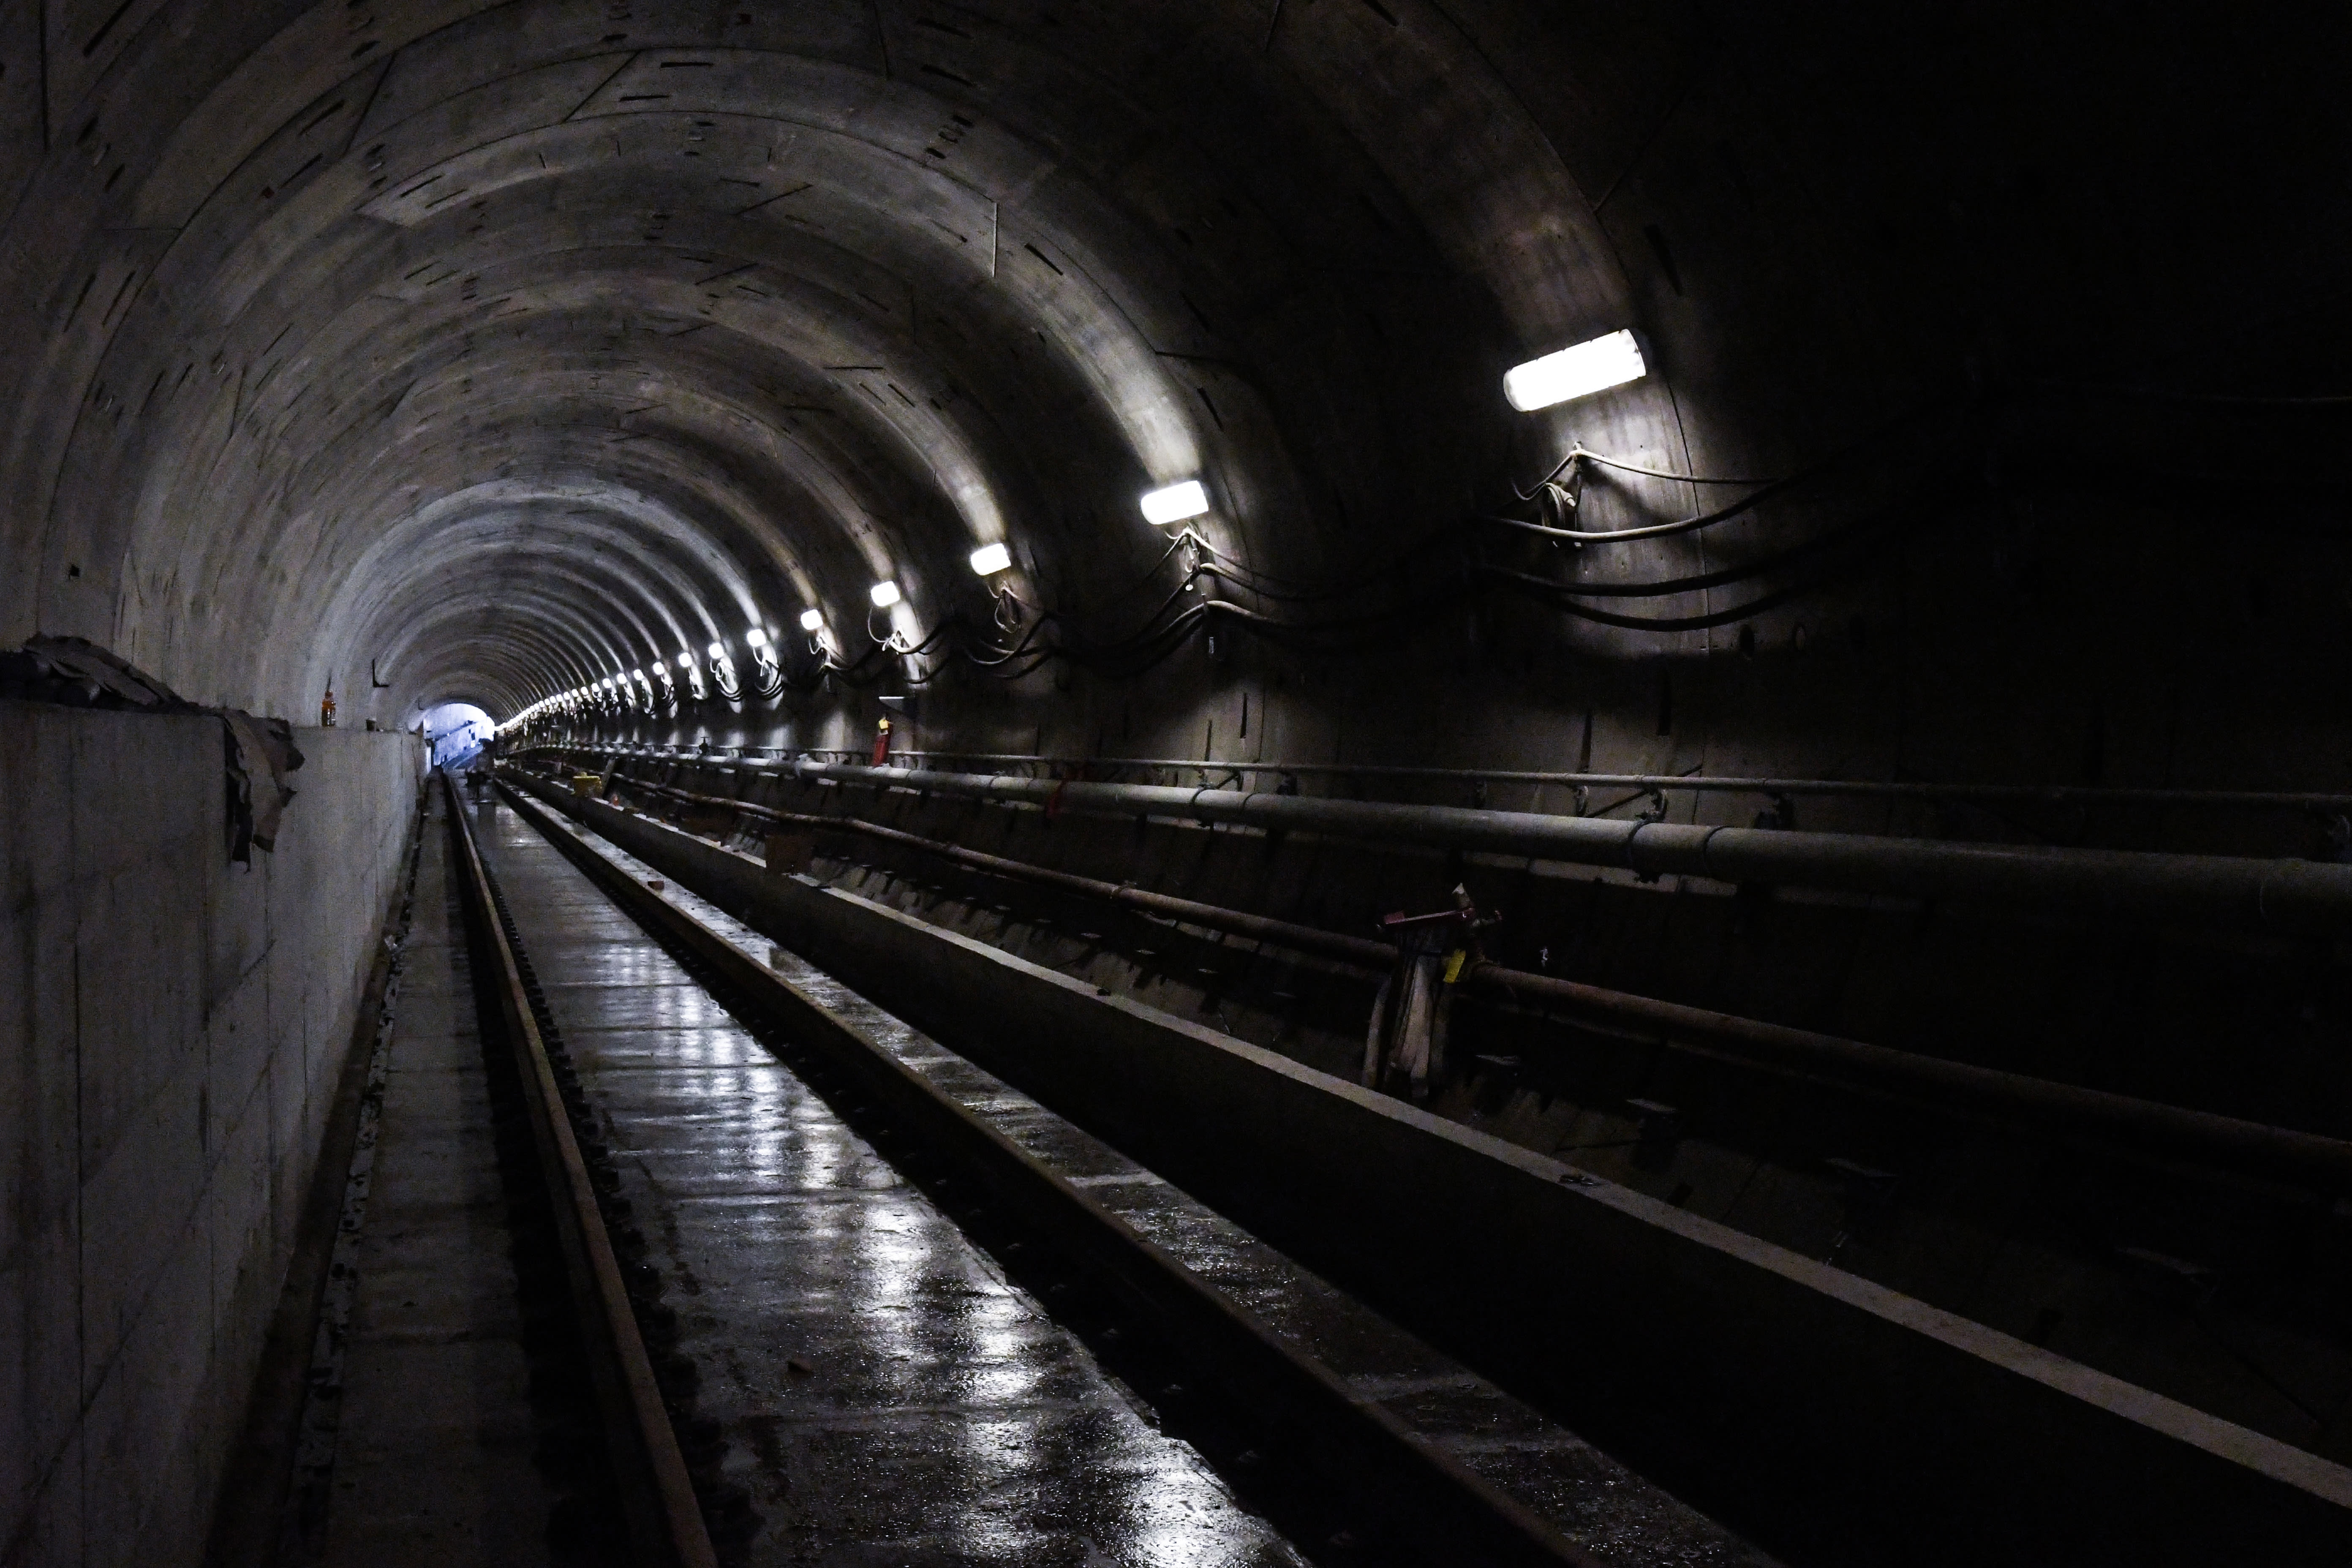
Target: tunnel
x=1167, y=782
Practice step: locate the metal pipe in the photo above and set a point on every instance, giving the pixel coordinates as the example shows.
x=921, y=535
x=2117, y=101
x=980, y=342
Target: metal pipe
x=1875, y=789
x=2282, y=895
x=1366, y=952
x=2140, y=885
x=2148, y=1126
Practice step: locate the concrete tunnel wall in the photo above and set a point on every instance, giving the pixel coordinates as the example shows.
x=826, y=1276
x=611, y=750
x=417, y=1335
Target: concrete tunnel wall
x=454, y=350
x=172, y=1028
x=491, y=350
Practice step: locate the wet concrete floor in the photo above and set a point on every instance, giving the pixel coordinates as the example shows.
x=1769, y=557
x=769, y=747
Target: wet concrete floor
x=1595, y=1500
x=888, y=1396
x=434, y=1460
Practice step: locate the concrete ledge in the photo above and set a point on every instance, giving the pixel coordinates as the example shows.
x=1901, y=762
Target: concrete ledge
x=170, y=1029
x=1834, y=1420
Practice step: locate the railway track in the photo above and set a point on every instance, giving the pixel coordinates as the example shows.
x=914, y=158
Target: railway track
x=658, y=1497
x=845, y=1293
x=1784, y=1396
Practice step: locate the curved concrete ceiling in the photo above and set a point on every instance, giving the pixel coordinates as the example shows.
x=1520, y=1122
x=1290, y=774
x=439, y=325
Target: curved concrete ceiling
x=501, y=348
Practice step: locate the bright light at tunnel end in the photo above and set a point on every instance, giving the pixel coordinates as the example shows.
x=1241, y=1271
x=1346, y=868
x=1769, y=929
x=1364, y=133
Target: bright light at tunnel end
x=885, y=594
x=1576, y=371
x=1175, y=503
x=990, y=559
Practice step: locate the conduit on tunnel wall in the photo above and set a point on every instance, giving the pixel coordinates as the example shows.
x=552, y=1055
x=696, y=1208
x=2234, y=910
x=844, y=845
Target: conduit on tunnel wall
x=502, y=348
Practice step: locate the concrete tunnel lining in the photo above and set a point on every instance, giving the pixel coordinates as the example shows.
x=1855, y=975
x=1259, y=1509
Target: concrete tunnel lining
x=457, y=350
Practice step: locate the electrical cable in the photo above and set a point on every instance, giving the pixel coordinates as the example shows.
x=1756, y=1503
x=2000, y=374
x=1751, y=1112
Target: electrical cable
x=1054, y=635
x=1721, y=577
x=1724, y=617
x=1590, y=455
x=1767, y=490
x=1581, y=453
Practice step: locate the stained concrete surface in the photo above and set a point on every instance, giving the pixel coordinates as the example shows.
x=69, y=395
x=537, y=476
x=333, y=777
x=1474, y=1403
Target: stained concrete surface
x=680, y=1081
x=435, y=1462
x=172, y=1029
x=889, y=1394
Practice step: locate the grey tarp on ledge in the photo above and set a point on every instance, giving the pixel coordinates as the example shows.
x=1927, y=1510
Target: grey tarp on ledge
x=256, y=753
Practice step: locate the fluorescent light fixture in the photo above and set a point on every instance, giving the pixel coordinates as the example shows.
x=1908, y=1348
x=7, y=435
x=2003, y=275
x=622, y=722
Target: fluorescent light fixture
x=990, y=559
x=1175, y=503
x=686, y=661
x=755, y=637
x=812, y=620
x=1575, y=371
x=718, y=650
x=885, y=594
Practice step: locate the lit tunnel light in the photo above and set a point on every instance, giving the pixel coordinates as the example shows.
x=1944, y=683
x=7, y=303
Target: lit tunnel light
x=812, y=620
x=885, y=594
x=718, y=650
x=686, y=660
x=1175, y=503
x=990, y=559
x=1576, y=371
x=755, y=637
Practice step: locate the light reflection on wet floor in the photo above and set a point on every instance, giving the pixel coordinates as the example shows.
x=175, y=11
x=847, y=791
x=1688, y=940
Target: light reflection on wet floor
x=942, y=1416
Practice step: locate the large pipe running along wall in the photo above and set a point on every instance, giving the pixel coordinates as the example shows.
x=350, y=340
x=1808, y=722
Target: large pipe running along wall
x=1654, y=783
x=2148, y=1126
x=2286, y=895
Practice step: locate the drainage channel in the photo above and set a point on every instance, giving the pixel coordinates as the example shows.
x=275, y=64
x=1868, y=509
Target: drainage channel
x=899, y=1311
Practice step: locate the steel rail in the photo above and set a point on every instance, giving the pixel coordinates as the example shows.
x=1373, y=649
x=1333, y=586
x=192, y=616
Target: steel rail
x=1363, y=951
x=2147, y=1126
x=1472, y=1518
x=1760, y=1369
x=2117, y=884
x=666, y=1524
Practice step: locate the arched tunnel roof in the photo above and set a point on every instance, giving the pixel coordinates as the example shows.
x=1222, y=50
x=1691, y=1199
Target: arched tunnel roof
x=501, y=348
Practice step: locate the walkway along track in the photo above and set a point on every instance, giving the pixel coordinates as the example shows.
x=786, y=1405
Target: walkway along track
x=1826, y=1413
x=1410, y=1490
x=666, y=1523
